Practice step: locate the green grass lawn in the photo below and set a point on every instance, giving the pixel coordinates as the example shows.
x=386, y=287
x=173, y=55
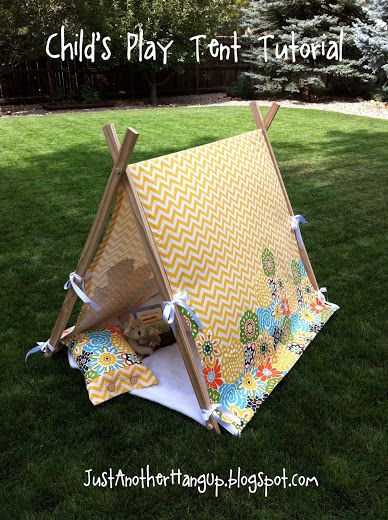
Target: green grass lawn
x=326, y=419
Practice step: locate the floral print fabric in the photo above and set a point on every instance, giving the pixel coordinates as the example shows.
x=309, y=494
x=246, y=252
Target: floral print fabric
x=110, y=366
x=272, y=336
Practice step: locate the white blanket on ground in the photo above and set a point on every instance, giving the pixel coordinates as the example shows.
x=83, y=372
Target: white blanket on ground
x=174, y=389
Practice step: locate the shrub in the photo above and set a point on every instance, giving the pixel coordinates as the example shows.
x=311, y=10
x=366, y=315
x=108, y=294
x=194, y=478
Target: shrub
x=89, y=94
x=242, y=88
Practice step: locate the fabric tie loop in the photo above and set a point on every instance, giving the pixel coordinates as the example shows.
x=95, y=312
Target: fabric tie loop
x=41, y=346
x=179, y=299
x=324, y=299
x=72, y=361
x=206, y=414
x=79, y=290
x=321, y=297
x=296, y=220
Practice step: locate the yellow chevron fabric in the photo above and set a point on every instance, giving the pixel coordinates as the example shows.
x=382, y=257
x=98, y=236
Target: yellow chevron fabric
x=119, y=276
x=220, y=221
x=119, y=382
x=211, y=210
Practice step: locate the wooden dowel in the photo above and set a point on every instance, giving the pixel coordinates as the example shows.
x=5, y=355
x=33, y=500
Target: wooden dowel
x=113, y=140
x=123, y=157
x=108, y=198
x=271, y=115
x=163, y=283
x=262, y=126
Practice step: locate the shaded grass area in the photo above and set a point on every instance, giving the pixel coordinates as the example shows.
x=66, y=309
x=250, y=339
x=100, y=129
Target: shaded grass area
x=325, y=420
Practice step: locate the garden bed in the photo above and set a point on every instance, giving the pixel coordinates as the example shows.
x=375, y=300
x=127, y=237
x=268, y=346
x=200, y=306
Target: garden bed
x=77, y=105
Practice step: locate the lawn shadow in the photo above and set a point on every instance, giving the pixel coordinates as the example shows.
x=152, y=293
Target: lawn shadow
x=338, y=184
x=334, y=144
x=74, y=170
x=314, y=171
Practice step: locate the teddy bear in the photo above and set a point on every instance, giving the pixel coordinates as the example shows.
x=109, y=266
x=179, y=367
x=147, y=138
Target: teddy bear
x=142, y=339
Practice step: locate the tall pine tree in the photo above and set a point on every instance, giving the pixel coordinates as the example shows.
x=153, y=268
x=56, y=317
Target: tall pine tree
x=371, y=37
x=311, y=21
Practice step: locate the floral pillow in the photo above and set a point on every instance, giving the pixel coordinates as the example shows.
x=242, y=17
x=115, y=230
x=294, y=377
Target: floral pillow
x=110, y=366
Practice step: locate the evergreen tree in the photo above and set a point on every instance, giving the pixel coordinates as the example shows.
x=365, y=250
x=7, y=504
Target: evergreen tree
x=371, y=37
x=311, y=22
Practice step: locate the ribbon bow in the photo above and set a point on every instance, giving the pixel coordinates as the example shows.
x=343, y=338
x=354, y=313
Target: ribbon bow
x=79, y=289
x=295, y=221
x=71, y=360
x=206, y=414
x=321, y=297
x=179, y=299
x=41, y=346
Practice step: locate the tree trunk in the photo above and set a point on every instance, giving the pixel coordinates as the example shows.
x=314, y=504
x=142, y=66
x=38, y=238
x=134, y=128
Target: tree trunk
x=51, y=78
x=154, y=92
x=151, y=78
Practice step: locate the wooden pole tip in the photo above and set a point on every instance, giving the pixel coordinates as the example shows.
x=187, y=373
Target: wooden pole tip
x=133, y=131
x=109, y=128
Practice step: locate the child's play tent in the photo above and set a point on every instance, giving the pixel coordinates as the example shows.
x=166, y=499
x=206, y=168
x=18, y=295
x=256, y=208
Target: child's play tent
x=210, y=234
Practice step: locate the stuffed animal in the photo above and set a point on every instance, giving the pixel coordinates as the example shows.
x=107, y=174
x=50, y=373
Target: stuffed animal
x=142, y=339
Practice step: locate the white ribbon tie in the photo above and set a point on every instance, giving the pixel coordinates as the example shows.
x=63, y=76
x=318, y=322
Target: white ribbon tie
x=41, y=346
x=206, y=414
x=179, y=299
x=169, y=307
x=79, y=289
x=72, y=361
x=296, y=220
x=321, y=297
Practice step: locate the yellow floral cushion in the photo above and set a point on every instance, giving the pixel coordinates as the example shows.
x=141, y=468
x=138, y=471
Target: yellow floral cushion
x=110, y=366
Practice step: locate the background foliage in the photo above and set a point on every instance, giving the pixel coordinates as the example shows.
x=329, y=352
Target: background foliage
x=310, y=21
x=371, y=38
x=25, y=25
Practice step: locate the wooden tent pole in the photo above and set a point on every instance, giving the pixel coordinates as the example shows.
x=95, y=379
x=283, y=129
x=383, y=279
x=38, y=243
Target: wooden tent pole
x=263, y=126
x=120, y=164
x=271, y=115
x=162, y=281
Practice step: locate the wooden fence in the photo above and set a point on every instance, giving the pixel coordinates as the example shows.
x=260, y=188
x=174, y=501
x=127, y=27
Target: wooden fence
x=42, y=79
